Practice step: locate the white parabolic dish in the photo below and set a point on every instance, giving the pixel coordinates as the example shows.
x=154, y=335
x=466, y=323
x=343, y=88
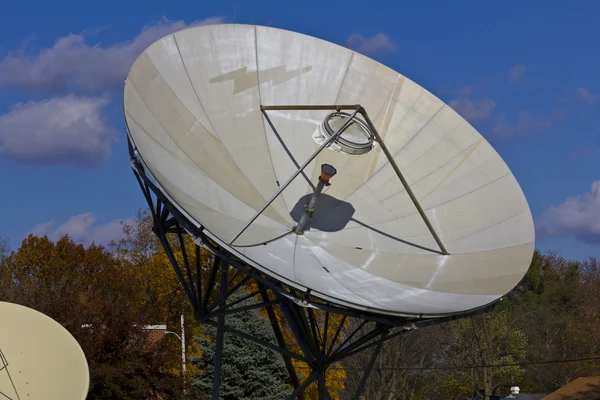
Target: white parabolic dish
x=192, y=106
x=39, y=359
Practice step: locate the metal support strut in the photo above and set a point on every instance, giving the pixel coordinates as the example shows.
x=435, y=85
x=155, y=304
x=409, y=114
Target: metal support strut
x=403, y=180
x=357, y=109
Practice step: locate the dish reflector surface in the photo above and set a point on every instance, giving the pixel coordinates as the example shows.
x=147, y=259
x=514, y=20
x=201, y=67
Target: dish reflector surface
x=39, y=359
x=193, y=109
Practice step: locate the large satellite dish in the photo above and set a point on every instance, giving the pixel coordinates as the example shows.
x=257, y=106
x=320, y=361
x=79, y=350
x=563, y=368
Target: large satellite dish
x=328, y=170
x=39, y=359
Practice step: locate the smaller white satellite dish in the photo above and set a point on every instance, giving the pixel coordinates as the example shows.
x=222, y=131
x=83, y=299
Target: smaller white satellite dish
x=39, y=359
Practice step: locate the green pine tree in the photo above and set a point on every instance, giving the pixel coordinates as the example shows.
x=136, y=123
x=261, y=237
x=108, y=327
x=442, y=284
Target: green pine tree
x=248, y=370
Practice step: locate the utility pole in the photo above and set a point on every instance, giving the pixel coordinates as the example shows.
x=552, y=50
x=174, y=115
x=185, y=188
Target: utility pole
x=183, y=354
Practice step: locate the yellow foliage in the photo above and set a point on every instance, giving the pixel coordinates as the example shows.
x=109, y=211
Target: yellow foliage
x=335, y=376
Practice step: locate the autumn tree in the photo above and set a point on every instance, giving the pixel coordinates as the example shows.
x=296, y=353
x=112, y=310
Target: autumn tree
x=585, y=326
x=399, y=371
x=158, y=290
x=479, y=354
x=4, y=248
x=90, y=293
x=556, y=306
x=5, y=275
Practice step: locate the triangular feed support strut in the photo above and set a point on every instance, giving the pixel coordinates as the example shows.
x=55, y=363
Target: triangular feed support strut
x=358, y=109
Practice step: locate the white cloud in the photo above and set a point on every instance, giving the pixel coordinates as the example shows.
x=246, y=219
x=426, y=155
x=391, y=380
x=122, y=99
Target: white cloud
x=526, y=123
x=71, y=64
x=473, y=110
x=515, y=73
x=82, y=229
x=61, y=130
x=578, y=215
x=379, y=44
x=585, y=95
x=69, y=129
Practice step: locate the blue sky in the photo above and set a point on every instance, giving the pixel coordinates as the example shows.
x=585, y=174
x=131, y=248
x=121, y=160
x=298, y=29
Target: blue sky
x=525, y=75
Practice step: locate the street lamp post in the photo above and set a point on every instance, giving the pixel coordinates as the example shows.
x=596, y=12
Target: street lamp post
x=182, y=339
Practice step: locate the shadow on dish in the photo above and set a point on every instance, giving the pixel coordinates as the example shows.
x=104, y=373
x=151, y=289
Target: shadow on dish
x=331, y=214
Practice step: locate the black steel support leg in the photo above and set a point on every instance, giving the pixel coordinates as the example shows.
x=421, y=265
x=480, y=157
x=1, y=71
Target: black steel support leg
x=281, y=341
x=323, y=392
x=298, y=329
x=307, y=335
x=314, y=375
x=220, y=334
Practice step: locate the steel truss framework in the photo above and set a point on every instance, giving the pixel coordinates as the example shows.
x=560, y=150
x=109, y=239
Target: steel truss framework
x=322, y=342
